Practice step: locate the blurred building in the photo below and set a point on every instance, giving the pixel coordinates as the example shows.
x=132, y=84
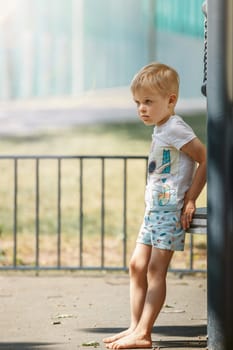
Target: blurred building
x=66, y=47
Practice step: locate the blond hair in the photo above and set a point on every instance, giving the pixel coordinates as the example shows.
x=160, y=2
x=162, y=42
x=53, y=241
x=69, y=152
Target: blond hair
x=157, y=76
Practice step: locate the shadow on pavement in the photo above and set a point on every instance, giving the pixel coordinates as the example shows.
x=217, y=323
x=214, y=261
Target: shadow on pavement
x=191, y=331
x=181, y=331
x=180, y=344
x=170, y=331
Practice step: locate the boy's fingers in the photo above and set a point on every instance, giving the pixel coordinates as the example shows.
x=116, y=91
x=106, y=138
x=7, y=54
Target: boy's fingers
x=186, y=219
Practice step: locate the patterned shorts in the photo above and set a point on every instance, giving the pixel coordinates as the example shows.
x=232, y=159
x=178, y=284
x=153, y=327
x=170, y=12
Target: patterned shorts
x=163, y=230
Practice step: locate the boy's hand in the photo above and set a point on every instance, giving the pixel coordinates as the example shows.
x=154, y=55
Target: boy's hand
x=187, y=213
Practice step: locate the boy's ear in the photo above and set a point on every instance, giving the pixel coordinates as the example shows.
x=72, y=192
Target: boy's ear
x=172, y=99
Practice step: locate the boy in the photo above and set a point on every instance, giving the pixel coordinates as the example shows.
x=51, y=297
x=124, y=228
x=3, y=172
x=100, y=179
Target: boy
x=173, y=185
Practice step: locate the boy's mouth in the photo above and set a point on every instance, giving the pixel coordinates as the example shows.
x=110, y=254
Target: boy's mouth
x=145, y=117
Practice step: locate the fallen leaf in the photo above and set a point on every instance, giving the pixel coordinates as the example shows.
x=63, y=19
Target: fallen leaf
x=168, y=306
x=56, y=322
x=91, y=343
x=64, y=316
x=176, y=311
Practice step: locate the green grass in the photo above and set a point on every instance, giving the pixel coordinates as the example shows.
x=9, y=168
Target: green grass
x=110, y=139
x=107, y=139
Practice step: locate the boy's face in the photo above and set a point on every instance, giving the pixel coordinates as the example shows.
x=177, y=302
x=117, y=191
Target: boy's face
x=154, y=108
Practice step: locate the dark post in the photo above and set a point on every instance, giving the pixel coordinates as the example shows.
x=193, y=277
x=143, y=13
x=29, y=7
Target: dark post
x=220, y=174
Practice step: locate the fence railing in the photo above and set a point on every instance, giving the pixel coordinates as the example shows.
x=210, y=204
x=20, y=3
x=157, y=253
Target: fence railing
x=76, y=213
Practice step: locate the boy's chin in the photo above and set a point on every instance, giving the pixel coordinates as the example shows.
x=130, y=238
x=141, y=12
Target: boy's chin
x=148, y=123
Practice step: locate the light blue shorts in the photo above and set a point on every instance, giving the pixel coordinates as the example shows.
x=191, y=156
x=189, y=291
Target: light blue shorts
x=163, y=230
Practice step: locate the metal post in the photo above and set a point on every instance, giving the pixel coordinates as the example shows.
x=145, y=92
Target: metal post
x=125, y=214
x=220, y=175
x=102, y=212
x=151, y=31
x=37, y=213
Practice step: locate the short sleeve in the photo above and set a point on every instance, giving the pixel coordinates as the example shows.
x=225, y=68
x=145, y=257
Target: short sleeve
x=179, y=133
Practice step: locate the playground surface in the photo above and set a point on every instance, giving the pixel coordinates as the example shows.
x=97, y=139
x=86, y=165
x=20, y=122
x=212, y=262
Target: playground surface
x=64, y=311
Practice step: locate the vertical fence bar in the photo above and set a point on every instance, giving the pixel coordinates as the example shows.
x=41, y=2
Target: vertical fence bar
x=125, y=213
x=37, y=212
x=81, y=212
x=15, y=210
x=59, y=213
x=191, y=253
x=102, y=211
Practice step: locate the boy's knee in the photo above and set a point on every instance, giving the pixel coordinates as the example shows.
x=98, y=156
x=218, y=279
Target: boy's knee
x=137, y=267
x=157, y=270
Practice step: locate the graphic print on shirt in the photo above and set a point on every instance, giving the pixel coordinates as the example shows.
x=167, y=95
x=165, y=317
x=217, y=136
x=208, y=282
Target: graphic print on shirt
x=163, y=166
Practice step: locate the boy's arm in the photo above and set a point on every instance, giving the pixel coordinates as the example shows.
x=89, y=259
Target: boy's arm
x=197, y=151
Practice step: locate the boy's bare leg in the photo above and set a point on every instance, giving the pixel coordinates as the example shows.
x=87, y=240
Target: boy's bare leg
x=138, y=288
x=156, y=292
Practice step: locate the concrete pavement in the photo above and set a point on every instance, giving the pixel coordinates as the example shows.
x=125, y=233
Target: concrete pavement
x=73, y=311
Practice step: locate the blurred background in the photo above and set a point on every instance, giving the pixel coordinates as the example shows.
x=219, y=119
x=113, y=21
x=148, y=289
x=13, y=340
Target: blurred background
x=67, y=47
x=65, y=71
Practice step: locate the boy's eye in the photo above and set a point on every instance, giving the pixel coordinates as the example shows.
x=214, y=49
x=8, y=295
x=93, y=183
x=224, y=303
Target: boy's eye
x=145, y=102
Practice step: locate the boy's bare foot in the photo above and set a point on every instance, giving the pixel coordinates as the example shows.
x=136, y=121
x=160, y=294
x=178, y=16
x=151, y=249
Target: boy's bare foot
x=132, y=341
x=118, y=336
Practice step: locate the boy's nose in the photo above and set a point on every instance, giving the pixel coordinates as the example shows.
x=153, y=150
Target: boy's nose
x=142, y=107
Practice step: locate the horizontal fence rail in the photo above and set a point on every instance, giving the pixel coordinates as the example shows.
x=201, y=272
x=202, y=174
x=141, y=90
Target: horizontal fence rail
x=76, y=213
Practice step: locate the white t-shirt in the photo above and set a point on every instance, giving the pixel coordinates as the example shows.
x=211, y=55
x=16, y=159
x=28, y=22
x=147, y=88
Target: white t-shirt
x=170, y=171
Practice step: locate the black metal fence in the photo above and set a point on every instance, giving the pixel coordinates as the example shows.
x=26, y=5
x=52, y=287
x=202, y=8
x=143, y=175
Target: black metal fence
x=75, y=213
